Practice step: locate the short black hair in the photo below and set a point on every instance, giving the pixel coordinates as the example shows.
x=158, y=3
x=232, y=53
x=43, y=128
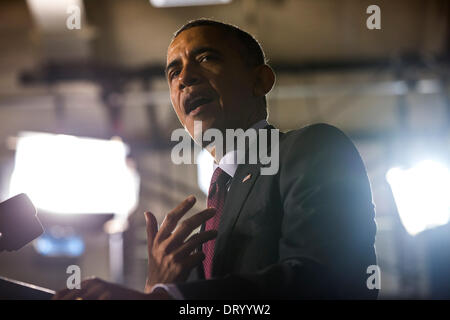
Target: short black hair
x=253, y=53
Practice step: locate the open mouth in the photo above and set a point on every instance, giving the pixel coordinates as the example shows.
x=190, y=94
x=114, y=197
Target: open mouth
x=196, y=103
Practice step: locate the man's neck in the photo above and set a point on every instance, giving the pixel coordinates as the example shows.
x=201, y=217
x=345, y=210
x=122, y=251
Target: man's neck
x=258, y=124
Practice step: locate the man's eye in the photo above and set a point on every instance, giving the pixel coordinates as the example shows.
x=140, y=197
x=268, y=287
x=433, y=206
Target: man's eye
x=206, y=58
x=173, y=74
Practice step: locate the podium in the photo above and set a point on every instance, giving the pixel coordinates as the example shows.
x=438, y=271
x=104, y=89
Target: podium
x=17, y=290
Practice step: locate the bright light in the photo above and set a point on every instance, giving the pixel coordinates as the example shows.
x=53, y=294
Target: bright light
x=422, y=195
x=185, y=3
x=51, y=15
x=204, y=170
x=67, y=174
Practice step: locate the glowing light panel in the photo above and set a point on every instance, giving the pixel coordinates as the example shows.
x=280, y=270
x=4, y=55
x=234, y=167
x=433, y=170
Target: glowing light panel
x=68, y=174
x=422, y=195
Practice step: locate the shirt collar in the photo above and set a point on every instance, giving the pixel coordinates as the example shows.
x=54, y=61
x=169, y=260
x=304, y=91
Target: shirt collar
x=228, y=161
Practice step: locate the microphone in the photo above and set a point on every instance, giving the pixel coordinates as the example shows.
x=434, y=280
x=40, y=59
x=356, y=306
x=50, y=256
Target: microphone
x=19, y=223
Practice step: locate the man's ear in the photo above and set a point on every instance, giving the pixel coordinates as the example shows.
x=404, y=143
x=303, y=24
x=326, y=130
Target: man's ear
x=264, y=80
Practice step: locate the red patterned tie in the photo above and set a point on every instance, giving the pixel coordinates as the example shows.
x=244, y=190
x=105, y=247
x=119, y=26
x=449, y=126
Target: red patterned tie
x=216, y=199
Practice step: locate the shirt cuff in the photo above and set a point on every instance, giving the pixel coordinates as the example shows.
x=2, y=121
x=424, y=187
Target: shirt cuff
x=171, y=289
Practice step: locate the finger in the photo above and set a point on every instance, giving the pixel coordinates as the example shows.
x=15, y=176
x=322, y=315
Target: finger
x=193, y=260
x=71, y=294
x=60, y=294
x=187, y=226
x=66, y=294
x=89, y=283
x=152, y=229
x=194, y=242
x=105, y=296
x=172, y=218
x=94, y=292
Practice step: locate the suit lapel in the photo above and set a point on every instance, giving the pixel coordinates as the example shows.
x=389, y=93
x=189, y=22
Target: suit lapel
x=243, y=181
x=238, y=193
x=241, y=185
x=237, y=196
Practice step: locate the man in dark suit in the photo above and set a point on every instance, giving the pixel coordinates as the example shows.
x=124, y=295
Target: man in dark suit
x=306, y=231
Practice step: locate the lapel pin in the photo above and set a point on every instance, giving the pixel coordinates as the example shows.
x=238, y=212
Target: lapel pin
x=247, y=177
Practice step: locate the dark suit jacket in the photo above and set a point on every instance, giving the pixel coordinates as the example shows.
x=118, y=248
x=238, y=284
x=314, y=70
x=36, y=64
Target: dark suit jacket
x=306, y=232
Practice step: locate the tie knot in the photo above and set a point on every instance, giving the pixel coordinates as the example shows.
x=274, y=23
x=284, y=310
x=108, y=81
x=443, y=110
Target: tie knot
x=219, y=176
x=218, y=180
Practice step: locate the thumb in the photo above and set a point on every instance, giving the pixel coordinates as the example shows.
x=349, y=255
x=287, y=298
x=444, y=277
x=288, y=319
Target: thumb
x=152, y=229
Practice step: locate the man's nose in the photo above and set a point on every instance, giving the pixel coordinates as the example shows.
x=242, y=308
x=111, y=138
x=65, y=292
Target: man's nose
x=188, y=76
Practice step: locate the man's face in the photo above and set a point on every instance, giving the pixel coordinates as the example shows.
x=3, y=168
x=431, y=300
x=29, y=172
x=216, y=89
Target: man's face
x=209, y=80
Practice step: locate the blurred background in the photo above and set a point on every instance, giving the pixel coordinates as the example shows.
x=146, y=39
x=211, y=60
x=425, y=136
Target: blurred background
x=86, y=120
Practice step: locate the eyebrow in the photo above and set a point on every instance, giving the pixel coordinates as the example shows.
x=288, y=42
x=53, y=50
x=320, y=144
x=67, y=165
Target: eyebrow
x=194, y=53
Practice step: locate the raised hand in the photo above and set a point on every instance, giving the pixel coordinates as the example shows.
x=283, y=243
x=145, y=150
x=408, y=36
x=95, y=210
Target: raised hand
x=170, y=256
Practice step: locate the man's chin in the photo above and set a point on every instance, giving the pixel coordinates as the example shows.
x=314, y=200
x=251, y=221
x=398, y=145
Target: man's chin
x=201, y=126
x=198, y=129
